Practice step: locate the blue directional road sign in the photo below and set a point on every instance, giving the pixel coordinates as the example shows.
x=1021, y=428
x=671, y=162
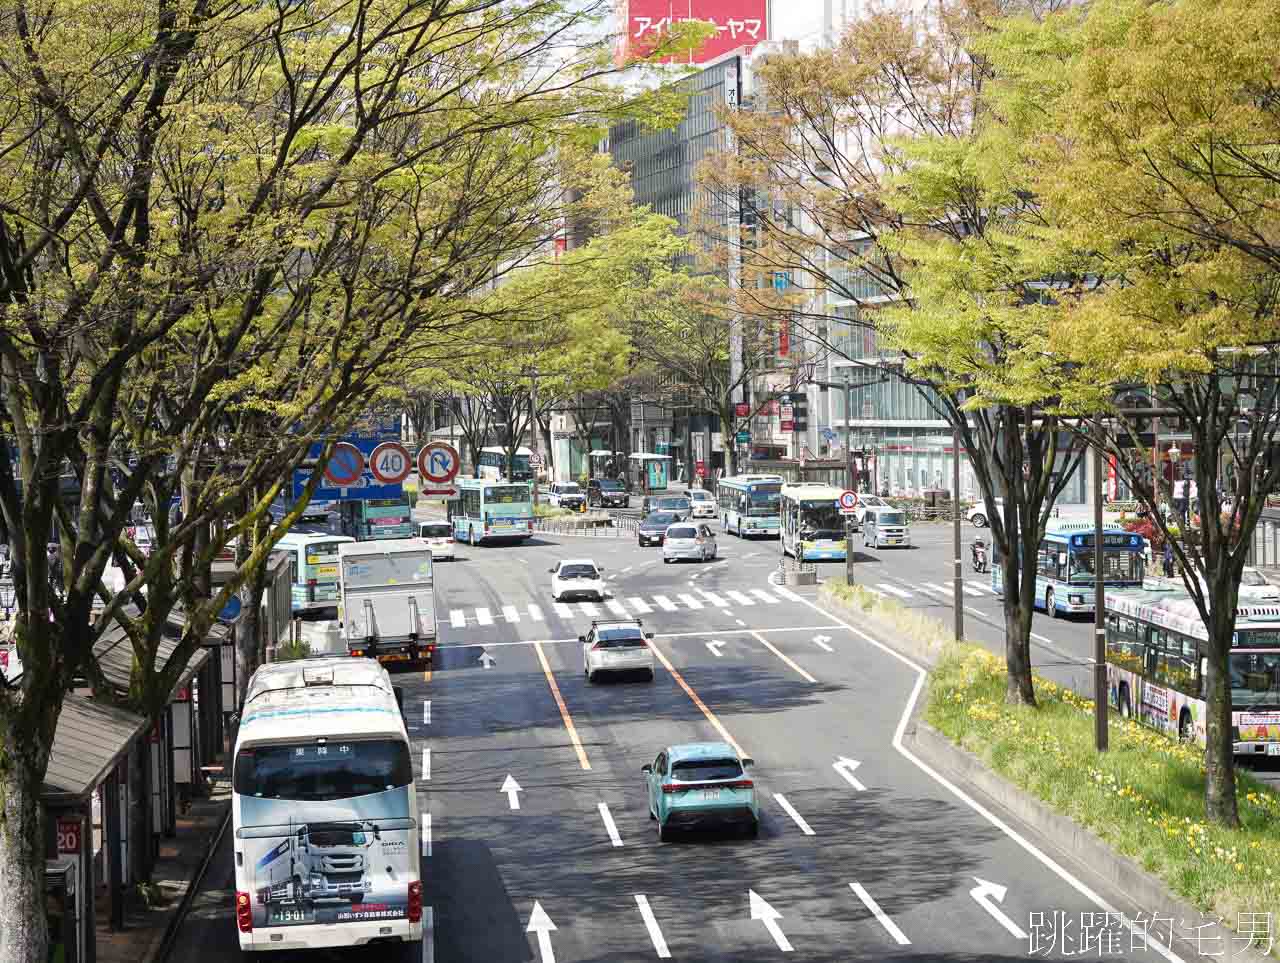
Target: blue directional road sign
x=366, y=486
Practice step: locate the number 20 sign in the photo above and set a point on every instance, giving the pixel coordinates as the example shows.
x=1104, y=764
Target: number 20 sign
x=390, y=463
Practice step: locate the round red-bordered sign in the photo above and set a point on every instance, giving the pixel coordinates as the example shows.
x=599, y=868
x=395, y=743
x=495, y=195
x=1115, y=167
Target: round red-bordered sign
x=848, y=500
x=390, y=463
x=346, y=465
x=438, y=462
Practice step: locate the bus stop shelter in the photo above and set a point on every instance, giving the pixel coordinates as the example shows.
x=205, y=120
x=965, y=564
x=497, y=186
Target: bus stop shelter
x=650, y=472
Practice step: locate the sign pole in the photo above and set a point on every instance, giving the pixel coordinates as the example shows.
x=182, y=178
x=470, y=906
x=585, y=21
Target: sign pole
x=958, y=571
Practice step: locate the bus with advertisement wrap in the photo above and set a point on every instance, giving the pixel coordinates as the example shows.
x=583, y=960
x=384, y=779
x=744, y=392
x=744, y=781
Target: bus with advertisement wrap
x=1065, y=565
x=315, y=566
x=812, y=526
x=324, y=810
x=486, y=510
x=750, y=504
x=1157, y=658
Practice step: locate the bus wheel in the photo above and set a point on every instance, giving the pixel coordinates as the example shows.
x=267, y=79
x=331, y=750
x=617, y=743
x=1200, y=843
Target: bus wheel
x=1048, y=604
x=1186, y=733
x=1126, y=711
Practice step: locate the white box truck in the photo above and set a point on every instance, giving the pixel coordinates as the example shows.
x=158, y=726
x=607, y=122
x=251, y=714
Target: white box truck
x=387, y=604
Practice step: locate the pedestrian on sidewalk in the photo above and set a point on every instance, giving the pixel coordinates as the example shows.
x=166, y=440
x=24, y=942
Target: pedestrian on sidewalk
x=1168, y=558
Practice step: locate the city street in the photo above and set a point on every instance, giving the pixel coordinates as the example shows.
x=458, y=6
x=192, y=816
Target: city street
x=537, y=842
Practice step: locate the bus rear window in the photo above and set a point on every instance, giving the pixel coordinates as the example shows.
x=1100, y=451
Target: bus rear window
x=506, y=494
x=311, y=772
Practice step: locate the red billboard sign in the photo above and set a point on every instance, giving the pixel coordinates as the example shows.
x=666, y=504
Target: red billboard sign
x=738, y=23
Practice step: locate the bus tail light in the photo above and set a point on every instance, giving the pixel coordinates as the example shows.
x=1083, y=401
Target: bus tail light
x=244, y=913
x=415, y=901
x=530, y=524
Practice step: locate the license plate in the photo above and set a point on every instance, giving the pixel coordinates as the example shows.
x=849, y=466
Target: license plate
x=1273, y=749
x=292, y=914
x=711, y=794
x=394, y=657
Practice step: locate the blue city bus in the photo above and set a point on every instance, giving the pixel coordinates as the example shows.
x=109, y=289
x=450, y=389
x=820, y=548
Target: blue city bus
x=1065, y=565
x=488, y=510
x=750, y=504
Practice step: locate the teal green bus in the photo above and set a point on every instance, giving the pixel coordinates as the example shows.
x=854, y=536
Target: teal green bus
x=487, y=510
x=750, y=504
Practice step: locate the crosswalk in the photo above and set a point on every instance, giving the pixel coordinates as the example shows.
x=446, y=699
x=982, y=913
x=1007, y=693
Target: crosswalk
x=969, y=587
x=627, y=607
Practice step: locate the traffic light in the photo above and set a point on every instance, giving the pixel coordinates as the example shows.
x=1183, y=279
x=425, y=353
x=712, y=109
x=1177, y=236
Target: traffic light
x=800, y=410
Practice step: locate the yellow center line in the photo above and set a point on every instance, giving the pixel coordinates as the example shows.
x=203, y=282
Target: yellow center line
x=772, y=648
x=688, y=690
x=564, y=709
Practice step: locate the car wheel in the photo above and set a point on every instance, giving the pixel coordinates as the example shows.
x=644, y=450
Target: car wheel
x=979, y=520
x=1126, y=710
x=1049, y=605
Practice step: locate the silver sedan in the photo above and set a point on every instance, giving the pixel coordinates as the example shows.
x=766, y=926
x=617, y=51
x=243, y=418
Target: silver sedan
x=690, y=540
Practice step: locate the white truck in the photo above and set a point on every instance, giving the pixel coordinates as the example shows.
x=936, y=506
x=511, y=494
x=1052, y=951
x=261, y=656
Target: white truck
x=386, y=603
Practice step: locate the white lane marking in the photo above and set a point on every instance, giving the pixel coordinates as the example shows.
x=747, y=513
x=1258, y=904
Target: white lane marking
x=690, y=601
x=627, y=569
x=563, y=611
x=766, y=914
x=510, y=614
x=640, y=605
x=665, y=603
x=937, y=589
x=740, y=598
x=616, y=607
x=535, y=612
x=1025, y=844
x=980, y=588
x=428, y=935
x=426, y=763
x=740, y=622
x=425, y=838
x=795, y=816
x=426, y=712
x=970, y=590
x=821, y=642
x=899, y=937
x=751, y=555
x=787, y=594
x=787, y=660
x=540, y=923
x=651, y=924
x=846, y=767
x=458, y=619
x=715, y=646
x=875, y=591
x=893, y=590
x=986, y=894
x=764, y=596
x=589, y=608
x=714, y=599
x=483, y=617
x=665, y=635
x=609, y=825
x=513, y=790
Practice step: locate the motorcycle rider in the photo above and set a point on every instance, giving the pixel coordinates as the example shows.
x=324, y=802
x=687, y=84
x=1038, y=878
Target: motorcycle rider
x=978, y=553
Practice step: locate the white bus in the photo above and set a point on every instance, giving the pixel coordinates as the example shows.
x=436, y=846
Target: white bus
x=324, y=810
x=749, y=504
x=812, y=526
x=1157, y=660
x=315, y=566
x=493, y=464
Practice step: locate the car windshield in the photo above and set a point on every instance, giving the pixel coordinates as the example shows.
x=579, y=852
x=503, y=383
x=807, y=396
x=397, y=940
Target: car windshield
x=609, y=486
x=316, y=771
x=675, y=504
x=629, y=637
x=661, y=519
x=1255, y=680
x=440, y=530
x=704, y=769
x=892, y=518
x=682, y=532
x=570, y=490
x=578, y=571
x=700, y=496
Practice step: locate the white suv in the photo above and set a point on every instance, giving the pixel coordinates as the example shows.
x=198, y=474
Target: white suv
x=704, y=503
x=619, y=645
x=577, y=578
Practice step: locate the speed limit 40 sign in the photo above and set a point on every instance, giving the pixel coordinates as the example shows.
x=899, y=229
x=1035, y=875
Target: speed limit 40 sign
x=390, y=463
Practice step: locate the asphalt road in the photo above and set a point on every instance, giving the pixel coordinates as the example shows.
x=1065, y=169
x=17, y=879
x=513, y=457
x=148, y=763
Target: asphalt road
x=864, y=853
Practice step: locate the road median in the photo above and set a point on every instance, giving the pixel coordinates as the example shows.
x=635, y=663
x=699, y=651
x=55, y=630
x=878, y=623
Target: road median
x=1133, y=815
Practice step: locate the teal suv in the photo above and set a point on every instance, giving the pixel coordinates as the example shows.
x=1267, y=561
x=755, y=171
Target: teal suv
x=701, y=785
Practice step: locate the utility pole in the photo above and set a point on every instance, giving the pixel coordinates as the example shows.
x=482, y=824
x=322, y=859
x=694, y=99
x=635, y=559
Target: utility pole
x=537, y=433
x=848, y=455
x=958, y=572
x=1099, y=611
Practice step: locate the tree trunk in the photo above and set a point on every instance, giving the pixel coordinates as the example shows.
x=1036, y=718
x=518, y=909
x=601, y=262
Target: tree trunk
x=730, y=445
x=23, y=758
x=1220, y=803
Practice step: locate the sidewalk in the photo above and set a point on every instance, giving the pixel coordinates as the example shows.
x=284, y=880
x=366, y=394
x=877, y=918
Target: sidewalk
x=181, y=858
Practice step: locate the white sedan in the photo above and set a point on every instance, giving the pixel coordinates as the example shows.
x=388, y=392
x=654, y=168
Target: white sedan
x=579, y=578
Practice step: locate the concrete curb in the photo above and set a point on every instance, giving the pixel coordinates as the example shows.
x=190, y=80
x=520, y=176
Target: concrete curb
x=179, y=916
x=1074, y=841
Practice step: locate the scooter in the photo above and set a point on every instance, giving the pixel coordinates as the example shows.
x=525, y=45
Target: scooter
x=978, y=555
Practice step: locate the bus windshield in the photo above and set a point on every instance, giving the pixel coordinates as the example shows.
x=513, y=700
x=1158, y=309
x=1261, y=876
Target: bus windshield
x=1121, y=565
x=1255, y=680
x=317, y=772
x=765, y=499
x=820, y=520
x=506, y=494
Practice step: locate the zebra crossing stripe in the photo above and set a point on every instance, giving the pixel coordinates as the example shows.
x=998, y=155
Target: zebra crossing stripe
x=937, y=589
x=510, y=614
x=893, y=590
x=974, y=588
x=616, y=607
x=690, y=601
x=483, y=617
x=764, y=596
x=640, y=605
x=458, y=619
x=787, y=594
x=563, y=611
x=535, y=612
x=714, y=599
x=666, y=604
x=740, y=598
x=589, y=608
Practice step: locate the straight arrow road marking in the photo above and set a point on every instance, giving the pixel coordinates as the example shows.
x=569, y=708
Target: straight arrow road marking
x=892, y=927
x=821, y=642
x=512, y=789
x=845, y=767
x=665, y=603
x=986, y=894
x=795, y=816
x=458, y=618
x=485, y=659
x=640, y=605
x=483, y=617
x=426, y=834
x=715, y=647
x=651, y=924
x=778, y=652
x=540, y=923
x=610, y=827
x=766, y=914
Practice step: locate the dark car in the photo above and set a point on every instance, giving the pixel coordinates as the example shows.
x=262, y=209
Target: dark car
x=607, y=493
x=667, y=503
x=653, y=528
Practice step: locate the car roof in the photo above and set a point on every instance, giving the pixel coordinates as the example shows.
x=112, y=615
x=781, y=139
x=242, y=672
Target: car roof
x=701, y=750
x=578, y=561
